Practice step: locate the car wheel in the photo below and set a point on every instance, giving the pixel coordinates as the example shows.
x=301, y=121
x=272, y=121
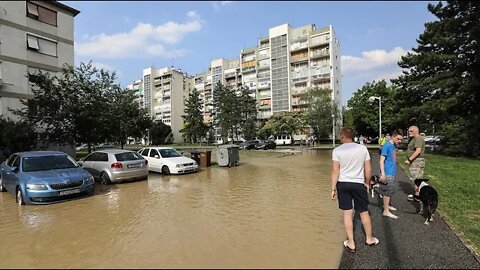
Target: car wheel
x=19, y=197
x=165, y=170
x=2, y=188
x=104, y=179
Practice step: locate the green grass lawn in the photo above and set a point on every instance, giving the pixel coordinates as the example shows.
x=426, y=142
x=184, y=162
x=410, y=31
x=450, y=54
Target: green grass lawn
x=458, y=185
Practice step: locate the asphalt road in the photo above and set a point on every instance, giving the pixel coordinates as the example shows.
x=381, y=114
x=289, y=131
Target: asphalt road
x=406, y=243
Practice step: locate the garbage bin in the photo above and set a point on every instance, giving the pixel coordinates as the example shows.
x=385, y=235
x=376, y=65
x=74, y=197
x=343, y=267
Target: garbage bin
x=205, y=158
x=195, y=155
x=228, y=155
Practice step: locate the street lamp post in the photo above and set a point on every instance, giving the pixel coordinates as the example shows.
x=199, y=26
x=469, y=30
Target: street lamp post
x=371, y=99
x=333, y=130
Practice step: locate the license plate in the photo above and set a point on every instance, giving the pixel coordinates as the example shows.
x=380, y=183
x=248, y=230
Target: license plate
x=134, y=165
x=68, y=192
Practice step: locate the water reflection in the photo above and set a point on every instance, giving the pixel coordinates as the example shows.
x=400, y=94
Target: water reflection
x=269, y=212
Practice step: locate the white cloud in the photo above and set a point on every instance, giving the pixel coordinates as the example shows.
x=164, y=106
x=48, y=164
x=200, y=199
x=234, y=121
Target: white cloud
x=142, y=41
x=371, y=60
x=388, y=75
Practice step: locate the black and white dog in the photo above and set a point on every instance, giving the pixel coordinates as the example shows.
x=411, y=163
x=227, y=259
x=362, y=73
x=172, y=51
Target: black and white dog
x=375, y=183
x=428, y=198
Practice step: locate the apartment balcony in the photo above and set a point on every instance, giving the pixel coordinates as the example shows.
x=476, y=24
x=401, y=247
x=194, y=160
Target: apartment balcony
x=315, y=42
x=157, y=82
x=265, y=107
x=167, y=94
x=264, y=66
x=300, y=75
x=298, y=46
x=319, y=54
x=263, y=85
x=299, y=103
x=263, y=56
x=299, y=58
x=319, y=74
x=298, y=91
x=248, y=69
x=264, y=115
x=230, y=75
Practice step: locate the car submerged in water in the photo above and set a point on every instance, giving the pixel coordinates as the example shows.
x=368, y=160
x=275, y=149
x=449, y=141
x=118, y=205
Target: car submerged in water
x=43, y=177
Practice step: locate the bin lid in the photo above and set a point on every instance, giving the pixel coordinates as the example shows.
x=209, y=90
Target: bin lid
x=228, y=146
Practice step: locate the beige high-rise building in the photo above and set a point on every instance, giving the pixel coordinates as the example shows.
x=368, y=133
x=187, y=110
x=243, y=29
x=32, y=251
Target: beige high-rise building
x=163, y=91
x=34, y=35
x=279, y=69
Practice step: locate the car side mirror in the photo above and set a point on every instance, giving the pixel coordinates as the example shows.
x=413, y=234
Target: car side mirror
x=80, y=163
x=156, y=156
x=15, y=169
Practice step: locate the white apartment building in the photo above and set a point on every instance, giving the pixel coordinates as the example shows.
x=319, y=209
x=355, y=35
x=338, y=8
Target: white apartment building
x=34, y=35
x=163, y=93
x=280, y=68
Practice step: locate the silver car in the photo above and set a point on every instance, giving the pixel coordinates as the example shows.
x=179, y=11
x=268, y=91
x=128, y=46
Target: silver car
x=115, y=165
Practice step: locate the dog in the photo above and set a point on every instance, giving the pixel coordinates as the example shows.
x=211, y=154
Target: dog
x=375, y=183
x=428, y=198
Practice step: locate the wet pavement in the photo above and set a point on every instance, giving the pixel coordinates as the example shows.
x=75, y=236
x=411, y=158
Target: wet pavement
x=272, y=211
x=406, y=243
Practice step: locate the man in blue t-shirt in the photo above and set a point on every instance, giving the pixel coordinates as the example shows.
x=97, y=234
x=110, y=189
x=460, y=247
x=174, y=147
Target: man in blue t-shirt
x=388, y=170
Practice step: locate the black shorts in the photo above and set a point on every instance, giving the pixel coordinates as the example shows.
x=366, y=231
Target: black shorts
x=348, y=192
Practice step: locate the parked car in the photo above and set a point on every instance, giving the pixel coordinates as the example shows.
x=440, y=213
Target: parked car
x=105, y=145
x=266, y=144
x=167, y=160
x=247, y=145
x=403, y=144
x=115, y=165
x=42, y=177
x=435, y=144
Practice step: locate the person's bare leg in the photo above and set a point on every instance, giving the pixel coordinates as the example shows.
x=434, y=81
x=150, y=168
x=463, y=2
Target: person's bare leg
x=348, y=223
x=386, y=203
x=367, y=225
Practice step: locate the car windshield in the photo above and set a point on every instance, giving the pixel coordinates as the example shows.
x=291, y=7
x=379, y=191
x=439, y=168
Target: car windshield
x=126, y=156
x=32, y=164
x=169, y=153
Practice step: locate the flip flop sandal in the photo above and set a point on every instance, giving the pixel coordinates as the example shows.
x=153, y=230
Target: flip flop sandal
x=351, y=250
x=375, y=242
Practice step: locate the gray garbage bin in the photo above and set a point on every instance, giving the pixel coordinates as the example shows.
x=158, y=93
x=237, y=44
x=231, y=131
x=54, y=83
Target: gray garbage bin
x=228, y=155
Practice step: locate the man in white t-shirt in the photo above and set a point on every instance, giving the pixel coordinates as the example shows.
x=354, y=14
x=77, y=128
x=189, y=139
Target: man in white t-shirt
x=351, y=172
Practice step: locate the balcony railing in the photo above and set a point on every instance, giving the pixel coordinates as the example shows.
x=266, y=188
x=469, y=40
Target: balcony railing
x=230, y=74
x=262, y=85
x=264, y=107
x=264, y=115
x=320, y=53
x=298, y=102
x=299, y=58
x=298, y=46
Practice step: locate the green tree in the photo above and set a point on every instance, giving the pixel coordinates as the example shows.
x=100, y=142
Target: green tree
x=15, y=136
x=194, y=128
x=365, y=113
x=248, y=107
x=441, y=77
x=127, y=119
x=320, y=111
x=284, y=123
x=160, y=133
x=227, y=107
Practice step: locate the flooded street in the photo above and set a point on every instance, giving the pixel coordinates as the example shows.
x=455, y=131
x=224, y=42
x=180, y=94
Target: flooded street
x=272, y=211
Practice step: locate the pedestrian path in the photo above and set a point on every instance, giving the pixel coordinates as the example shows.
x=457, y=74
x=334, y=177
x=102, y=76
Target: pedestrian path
x=406, y=243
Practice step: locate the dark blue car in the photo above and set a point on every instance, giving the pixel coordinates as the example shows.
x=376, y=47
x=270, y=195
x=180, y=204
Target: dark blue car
x=42, y=177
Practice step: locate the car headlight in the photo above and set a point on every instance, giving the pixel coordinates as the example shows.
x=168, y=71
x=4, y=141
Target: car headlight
x=36, y=186
x=89, y=180
x=179, y=165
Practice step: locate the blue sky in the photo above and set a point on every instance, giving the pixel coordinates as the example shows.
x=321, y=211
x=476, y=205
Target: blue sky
x=128, y=36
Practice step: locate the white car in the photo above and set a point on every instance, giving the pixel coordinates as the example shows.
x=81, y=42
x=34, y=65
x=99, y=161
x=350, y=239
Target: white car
x=167, y=160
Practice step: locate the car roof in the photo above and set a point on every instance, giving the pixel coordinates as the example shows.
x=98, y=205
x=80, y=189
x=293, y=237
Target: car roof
x=113, y=151
x=159, y=147
x=39, y=153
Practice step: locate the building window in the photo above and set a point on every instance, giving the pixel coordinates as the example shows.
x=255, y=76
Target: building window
x=41, y=45
x=41, y=13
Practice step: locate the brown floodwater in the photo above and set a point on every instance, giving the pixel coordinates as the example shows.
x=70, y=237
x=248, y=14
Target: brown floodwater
x=272, y=211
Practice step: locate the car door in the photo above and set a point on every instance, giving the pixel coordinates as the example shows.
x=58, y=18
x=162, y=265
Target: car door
x=89, y=164
x=155, y=161
x=11, y=175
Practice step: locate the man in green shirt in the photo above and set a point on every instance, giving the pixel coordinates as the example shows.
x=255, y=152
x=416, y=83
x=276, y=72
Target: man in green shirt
x=415, y=156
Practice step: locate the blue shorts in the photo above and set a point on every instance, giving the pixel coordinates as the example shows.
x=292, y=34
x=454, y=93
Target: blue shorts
x=348, y=192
